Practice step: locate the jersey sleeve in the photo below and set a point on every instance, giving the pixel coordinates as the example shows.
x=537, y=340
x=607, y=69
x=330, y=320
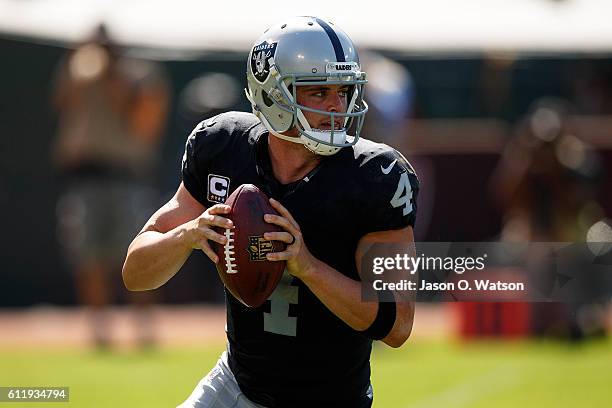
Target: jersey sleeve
x=395, y=186
x=203, y=146
x=193, y=167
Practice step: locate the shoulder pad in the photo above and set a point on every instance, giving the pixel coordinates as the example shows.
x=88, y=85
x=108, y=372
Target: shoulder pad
x=372, y=154
x=213, y=135
x=390, y=183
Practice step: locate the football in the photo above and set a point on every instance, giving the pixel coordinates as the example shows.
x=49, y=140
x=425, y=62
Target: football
x=242, y=264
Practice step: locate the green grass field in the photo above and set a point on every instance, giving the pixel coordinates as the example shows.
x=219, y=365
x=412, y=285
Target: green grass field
x=420, y=374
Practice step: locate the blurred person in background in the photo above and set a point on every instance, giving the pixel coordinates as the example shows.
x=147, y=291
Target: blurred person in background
x=112, y=111
x=391, y=92
x=545, y=184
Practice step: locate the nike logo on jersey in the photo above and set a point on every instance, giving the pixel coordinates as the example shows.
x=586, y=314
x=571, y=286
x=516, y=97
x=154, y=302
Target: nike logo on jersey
x=388, y=169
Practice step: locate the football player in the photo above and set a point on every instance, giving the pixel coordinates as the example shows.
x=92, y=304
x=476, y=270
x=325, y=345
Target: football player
x=309, y=345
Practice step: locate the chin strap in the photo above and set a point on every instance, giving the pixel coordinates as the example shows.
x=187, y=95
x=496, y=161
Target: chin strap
x=312, y=146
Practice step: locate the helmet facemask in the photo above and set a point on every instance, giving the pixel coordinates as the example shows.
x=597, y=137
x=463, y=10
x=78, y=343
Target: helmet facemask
x=354, y=114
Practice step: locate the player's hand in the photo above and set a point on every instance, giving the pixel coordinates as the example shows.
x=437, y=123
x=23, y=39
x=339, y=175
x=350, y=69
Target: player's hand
x=200, y=230
x=299, y=260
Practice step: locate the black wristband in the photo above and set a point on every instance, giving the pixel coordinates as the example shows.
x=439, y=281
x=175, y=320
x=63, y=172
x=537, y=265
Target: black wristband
x=385, y=319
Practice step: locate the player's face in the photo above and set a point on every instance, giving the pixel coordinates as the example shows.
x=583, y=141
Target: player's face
x=328, y=98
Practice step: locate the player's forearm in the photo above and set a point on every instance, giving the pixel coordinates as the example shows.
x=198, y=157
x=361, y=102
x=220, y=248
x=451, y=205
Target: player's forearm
x=342, y=296
x=154, y=257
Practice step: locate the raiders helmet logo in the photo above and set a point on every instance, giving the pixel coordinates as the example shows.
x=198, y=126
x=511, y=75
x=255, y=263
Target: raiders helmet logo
x=260, y=60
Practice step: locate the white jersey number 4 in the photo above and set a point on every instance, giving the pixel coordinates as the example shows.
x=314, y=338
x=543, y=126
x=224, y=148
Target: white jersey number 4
x=403, y=194
x=278, y=320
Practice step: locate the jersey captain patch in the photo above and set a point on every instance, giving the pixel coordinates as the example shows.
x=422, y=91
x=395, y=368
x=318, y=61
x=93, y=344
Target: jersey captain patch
x=218, y=188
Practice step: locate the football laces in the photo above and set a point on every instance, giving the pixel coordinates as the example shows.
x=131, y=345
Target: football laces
x=228, y=250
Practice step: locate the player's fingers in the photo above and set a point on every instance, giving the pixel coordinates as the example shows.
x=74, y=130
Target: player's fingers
x=284, y=212
x=281, y=222
x=215, y=220
x=205, y=247
x=219, y=209
x=213, y=236
x=280, y=236
x=279, y=256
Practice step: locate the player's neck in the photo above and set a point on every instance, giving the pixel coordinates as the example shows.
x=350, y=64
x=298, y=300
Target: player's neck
x=290, y=161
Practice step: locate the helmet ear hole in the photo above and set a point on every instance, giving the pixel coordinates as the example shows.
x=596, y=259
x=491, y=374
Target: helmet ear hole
x=266, y=99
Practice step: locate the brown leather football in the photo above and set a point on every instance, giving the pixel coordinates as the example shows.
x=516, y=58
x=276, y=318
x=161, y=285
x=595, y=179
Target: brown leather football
x=242, y=265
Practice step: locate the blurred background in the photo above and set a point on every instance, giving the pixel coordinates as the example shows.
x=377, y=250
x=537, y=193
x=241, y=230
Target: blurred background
x=503, y=107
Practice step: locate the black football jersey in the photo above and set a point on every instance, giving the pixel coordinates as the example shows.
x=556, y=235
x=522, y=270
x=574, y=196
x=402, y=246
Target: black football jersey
x=292, y=351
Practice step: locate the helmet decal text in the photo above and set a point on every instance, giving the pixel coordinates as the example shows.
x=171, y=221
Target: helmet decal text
x=342, y=68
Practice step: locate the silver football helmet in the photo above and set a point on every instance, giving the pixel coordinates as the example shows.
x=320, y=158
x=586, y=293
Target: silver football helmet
x=305, y=51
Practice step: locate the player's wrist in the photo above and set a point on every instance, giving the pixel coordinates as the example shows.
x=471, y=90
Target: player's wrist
x=309, y=270
x=185, y=236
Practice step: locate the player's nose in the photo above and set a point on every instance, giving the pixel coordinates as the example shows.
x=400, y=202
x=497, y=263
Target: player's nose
x=336, y=102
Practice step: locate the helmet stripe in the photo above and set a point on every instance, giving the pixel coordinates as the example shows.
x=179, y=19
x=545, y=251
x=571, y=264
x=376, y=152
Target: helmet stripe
x=334, y=40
